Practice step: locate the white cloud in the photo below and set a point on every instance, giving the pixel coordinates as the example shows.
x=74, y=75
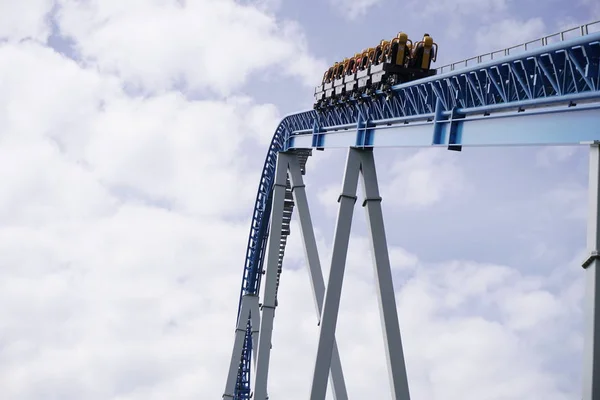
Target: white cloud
x=327, y=197
x=593, y=13
x=172, y=149
x=470, y=341
x=571, y=23
x=21, y=20
x=116, y=248
x=266, y=6
x=206, y=44
x=568, y=200
x=462, y=7
x=491, y=24
x=419, y=180
x=260, y=119
x=464, y=325
x=508, y=32
x=43, y=191
x=114, y=308
x=547, y=156
x=353, y=9
x=165, y=148
x=423, y=179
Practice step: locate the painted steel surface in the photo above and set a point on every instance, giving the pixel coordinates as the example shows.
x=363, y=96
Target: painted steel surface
x=549, y=95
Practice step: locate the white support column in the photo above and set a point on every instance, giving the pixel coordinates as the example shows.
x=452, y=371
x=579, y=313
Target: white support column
x=314, y=267
x=255, y=322
x=336, y=277
x=272, y=261
x=238, y=344
x=591, y=349
x=383, y=277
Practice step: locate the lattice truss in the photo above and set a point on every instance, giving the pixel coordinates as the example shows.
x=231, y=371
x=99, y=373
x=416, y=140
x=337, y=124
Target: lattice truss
x=539, y=77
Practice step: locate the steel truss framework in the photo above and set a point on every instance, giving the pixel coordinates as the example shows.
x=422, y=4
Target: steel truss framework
x=564, y=71
x=545, y=96
x=451, y=109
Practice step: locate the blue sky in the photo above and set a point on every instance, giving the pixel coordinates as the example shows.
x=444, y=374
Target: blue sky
x=132, y=137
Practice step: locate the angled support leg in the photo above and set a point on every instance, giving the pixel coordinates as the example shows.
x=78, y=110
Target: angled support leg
x=383, y=276
x=314, y=268
x=268, y=307
x=238, y=344
x=336, y=277
x=255, y=322
x=591, y=349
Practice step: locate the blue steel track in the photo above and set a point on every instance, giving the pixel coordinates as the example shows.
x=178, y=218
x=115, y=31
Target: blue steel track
x=549, y=95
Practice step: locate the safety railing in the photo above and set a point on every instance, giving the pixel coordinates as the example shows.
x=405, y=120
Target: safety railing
x=568, y=34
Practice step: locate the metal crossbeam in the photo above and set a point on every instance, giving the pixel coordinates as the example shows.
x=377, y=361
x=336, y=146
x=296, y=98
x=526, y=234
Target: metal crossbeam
x=550, y=126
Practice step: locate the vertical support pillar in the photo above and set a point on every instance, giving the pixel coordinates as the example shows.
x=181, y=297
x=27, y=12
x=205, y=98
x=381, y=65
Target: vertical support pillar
x=272, y=261
x=591, y=349
x=314, y=268
x=383, y=276
x=255, y=322
x=238, y=344
x=336, y=276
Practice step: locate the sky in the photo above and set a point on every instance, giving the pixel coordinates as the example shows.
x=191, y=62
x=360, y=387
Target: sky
x=132, y=137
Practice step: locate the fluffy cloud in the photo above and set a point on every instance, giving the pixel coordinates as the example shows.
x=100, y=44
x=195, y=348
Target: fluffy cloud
x=549, y=155
x=353, y=9
x=198, y=45
x=25, y=20
x=118, y=303
x=419, y=180
x=492, y=24
x=463, y=324
x=463, y=7
x=593, y=13
x=568, y=198
x=424, y=178
x=164, y=149
x=124, y=224
x=508, y=32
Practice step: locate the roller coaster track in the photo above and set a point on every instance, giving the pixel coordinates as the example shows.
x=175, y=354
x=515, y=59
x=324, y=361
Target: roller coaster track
x=560, y=79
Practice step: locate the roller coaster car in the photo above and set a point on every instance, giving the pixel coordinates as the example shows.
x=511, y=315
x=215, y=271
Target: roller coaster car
x=379, y=68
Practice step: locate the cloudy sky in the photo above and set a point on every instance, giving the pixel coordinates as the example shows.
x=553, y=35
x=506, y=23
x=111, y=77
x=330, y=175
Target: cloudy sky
x=132, y=135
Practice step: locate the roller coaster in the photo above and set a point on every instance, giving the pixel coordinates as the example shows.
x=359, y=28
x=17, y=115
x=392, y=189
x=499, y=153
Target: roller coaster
x=543, y=92
x=377, y=68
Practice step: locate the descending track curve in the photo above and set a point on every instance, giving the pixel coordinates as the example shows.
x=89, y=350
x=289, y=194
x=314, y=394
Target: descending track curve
x=259, y=231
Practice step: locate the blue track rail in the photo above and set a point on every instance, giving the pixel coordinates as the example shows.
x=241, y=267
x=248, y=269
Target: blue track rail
x=442, y=110
x=545, y=96
x=259, y=232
